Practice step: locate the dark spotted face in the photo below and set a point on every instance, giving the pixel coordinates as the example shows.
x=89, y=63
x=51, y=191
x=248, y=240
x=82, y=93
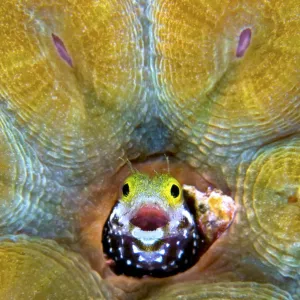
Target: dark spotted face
x=150, y=230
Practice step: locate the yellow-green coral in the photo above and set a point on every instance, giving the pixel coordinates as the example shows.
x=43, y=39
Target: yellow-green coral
x=149, y=77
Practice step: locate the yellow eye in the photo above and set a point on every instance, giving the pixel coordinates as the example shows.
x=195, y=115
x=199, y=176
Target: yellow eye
x=128, y=189
x=172, y=191
x=131, y=187
x=175, y=192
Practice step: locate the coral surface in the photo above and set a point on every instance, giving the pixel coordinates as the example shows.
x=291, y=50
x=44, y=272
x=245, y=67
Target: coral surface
x=87, y=84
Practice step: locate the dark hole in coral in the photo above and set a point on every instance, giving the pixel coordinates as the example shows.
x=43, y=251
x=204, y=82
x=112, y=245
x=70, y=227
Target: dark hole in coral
x=175, y=190
x=244, y=42
x=128, y=248
x=61, y=50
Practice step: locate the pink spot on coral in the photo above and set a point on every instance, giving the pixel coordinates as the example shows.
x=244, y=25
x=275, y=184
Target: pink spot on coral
x=244, y=42
x=61, y=50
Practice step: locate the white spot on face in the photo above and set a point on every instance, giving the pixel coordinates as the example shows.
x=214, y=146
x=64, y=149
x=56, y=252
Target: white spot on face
x=163, y=251
x=167, y=245
x=194, y=251
x=135, y=249
x=194, y=235
x=128, y=262
x=186, y=261
x=177, y=243
x=180, y=253
x=141, y=258
x=110, y=250
x=195, y=243
x=185, y=233
x=138, y=266
x=164, y=267
x=172, y=263
x=159, y=259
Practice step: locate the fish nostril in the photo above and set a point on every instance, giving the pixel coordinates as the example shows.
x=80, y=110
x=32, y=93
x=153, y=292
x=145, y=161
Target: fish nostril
x=149, y=218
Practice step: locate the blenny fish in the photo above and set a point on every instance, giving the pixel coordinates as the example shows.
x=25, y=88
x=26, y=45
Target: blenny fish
x=151, y=230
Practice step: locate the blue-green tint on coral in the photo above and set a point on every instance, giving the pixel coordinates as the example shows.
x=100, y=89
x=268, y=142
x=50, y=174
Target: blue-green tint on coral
x=151, y=77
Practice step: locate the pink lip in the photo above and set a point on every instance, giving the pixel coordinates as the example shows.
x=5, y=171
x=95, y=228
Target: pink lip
x=150, y=218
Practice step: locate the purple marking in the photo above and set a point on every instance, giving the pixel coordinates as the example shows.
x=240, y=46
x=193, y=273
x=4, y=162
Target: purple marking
x=61, y=50
x=244, y=41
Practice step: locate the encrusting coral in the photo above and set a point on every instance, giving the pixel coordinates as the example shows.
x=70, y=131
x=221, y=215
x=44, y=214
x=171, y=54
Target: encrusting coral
x=86, y=85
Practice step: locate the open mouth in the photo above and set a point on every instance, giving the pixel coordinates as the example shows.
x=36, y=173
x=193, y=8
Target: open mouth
x=149, y=218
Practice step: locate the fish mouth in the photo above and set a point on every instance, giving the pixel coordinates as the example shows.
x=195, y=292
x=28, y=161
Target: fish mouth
x=150, y=218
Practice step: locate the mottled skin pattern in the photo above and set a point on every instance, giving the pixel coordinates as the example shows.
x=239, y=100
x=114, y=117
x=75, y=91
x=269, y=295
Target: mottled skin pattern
x=86, y=82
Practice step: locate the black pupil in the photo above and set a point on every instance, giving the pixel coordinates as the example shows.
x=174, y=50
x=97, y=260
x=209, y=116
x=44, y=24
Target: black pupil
x=125, y=189
x=175, y=191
